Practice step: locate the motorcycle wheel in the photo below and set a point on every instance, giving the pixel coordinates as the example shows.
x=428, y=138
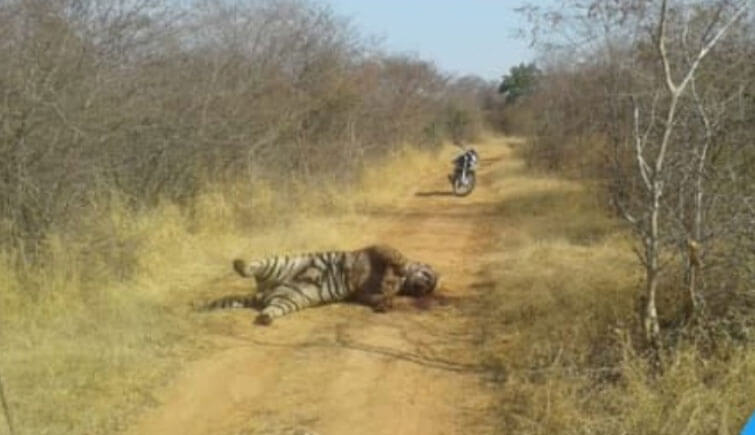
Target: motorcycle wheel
x=462, y=189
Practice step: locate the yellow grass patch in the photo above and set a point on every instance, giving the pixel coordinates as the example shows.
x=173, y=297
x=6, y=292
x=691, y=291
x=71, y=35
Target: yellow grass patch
x=89, y=337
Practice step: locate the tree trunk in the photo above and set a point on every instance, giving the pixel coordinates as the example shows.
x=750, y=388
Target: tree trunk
x=651, y=325
x=694, y=267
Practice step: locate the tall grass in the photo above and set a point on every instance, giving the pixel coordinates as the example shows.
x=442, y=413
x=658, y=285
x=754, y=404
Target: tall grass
x=90, y=334
x=559, y=329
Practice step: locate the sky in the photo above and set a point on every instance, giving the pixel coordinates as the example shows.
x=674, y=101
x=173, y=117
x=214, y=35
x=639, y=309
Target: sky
x=460, y=36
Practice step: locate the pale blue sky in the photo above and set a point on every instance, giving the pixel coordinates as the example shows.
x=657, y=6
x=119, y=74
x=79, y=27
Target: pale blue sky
x=461, y=36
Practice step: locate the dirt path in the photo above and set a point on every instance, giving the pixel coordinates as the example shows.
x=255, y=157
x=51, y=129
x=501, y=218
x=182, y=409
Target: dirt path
x=342, y=369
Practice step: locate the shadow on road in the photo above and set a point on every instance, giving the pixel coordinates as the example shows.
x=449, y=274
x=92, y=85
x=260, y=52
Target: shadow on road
x=435, y=193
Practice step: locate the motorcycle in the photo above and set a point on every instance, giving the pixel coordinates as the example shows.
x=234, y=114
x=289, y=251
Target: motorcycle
x=463, y=178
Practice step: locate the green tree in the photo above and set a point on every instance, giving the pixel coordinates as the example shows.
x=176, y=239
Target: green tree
x=521, y=80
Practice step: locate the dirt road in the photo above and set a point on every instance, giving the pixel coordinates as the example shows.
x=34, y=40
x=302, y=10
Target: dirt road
x=342, y=369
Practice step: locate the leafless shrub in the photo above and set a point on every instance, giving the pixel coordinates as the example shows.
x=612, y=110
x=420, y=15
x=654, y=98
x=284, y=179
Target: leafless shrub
x=152, y=101
x=666, y=90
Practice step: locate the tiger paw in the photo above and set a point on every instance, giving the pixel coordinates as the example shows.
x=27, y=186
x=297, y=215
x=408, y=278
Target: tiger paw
x=263, y=319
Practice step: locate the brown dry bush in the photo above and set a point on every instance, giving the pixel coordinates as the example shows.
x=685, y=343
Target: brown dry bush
x=601, y=66
x=596, y=99
x=559, y=332
x=149, y=102
x=138, y=138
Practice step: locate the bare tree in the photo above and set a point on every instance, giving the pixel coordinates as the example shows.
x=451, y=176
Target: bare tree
x=651, y=163
x=666, y=89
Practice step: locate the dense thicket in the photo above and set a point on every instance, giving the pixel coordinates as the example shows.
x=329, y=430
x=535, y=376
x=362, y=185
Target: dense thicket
x=153, y=101
x=657, y=99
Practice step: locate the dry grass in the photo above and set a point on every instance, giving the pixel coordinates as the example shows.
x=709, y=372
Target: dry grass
x=88, y=338
x=562, y=287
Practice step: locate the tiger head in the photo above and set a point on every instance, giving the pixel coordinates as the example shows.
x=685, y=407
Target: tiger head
x=420, y=280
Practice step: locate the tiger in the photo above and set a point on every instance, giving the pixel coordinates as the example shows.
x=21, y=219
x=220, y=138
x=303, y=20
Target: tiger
x=372, y=276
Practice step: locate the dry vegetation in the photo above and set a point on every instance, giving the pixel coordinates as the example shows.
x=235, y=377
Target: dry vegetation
x=89, y=351
x=560, y=332
x=140, y=102
x=655, y=102
x=143, y=145
x=650, y=103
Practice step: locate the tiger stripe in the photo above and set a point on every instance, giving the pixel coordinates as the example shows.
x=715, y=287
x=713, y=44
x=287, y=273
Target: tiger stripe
x=373, y=275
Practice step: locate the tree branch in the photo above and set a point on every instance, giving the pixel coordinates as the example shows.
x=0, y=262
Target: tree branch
x=662, y=49
x=638, y=145
x=706, y=49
